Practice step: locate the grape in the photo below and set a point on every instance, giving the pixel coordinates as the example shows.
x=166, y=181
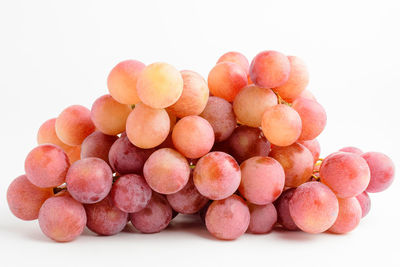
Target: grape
x=281, y=125
x=216, y=175
x=46, y=166
x=262, y=181
x=250, y=104
x=365, y=203
x=313, y=207
x=130, y=193
x=237, y=58
x=89, y=180
x=25, y=199
x=194, y=95
x=104, y=218
x=282, y=207
x=297, y=82
x=147, y=127
x=382, y=171
x=313, y=146
x=226, y=79
x=159, y=85
x=188, y=200
x=246, y=142
x=270, y=69
x=313, y=118
x=228, y=218
x=349, y=216
x=351, y=149
x=126, y=158
x=172, y=121
x=155, y=217
x=193, y=136
x=62, y=218
x=166, y=171
x=203, y=211
x=219, y=113
x=347, y=174
x=307, y=94
x=97, y=145
x=262, y=218
x=47, y=135
x=109, y=116
x=122, y=80
x=297, y=161
x=74, y=124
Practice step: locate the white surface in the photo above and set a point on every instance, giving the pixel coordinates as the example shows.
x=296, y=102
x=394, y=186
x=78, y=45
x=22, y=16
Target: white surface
x=56, y=54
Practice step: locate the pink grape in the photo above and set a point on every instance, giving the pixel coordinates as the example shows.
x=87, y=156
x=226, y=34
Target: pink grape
x=237, y=58
x=270, y=69
x=130, y=193
x=155, y=217
x=193, y=136
x=188, y=200
x=121, y=81
x=47, y=135
x=313, y=146
x=282, y=207
x=219, y=113
x=307, y=94
x=228, y=218
x=251, y=102
x=109, y=116
x=216, y=175
x=194, y=95
x=97, y=145
x=262, y=218
x=352, y=149
x=166, y=171
x=365, y=203
x=347, y=174
x=313, y=118
x=226, y=79
x=127, y=158
x=246, y=142
x=314, y=207
x=147, y=127
x=89, y=180
x=104, y=218
x=263, y=179
x=25, y=199
x=349, y=216
x=382, y=171
x=62, y=218
x=297, y=82
x=46, y=166
x=74, y=124
x=297, y=161
x=281, y=125
x=159, y=85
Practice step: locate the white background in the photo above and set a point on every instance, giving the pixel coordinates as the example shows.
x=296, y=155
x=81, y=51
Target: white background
x=55, y=54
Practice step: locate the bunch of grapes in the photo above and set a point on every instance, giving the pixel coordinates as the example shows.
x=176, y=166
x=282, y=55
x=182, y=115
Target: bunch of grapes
x=239, y=150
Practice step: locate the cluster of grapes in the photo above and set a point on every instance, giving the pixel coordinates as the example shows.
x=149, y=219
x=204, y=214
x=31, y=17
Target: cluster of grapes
x=238, y=151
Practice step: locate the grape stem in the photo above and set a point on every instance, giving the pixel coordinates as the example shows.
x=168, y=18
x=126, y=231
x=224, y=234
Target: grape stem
x=280, y=99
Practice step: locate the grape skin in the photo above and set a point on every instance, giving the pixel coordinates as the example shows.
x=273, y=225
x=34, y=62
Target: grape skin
x=216, y=175
x=155, y=217
x=166, y=171
x=313, y=146
x=237, y=58
x=382, y=171
x=352, y=149
x=263, y=179
x=282, y=207
x=349, y=216
x=89, y=180
x=25, y=199
x=130, y=193
x=97, y=145
x=219, y=113
x=46, y=166
x=314, y=207
x=262, y=218
x=228, y=219
x=104, y=218
x=365, y=203
x=62, y=218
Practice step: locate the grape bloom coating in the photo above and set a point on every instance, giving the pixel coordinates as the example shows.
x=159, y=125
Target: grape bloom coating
x=240, y=150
